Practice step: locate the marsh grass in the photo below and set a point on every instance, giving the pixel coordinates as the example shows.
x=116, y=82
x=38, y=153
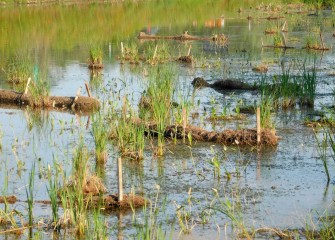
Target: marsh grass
x=309, y=80
x=130, y=136
x=150, y=227
x=18, y=69
x=100, y=132
x=160, y=92
x=39, y=88
x=72, y=197
x=30, y=195
x=53, y=195
x=95, y=58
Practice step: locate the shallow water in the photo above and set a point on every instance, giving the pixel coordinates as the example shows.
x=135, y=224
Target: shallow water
x=278, y=187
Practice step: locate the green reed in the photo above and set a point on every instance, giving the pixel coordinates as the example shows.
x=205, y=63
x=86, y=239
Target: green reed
x=53, y=195
x=30, y=194
x=18, y=69
x=160, y=92
x=309, y=80
x=100, y=132
x=96, y=55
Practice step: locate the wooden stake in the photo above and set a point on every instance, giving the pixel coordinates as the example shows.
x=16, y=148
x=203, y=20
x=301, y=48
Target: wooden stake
x=184, y=118
x=119, y=177
x=284, y=38
x=155, y=52
x=122, y=50
x=76, y=98
x=323, y=45
x=283, y=28
x=88, y=89
x=258, y=120
x=26, y=90
x=189, y=50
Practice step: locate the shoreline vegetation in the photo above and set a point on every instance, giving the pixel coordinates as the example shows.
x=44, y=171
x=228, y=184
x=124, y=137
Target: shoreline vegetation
x=320, y=3
x=148, y=120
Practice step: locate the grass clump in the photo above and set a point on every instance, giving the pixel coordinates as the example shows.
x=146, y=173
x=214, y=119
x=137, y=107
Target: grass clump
x=18, y=69
x=100, y=135
x=95, y=58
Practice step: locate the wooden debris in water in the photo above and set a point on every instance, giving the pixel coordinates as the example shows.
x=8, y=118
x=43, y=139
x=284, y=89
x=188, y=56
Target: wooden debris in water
x=8, y=199
x=228, y=137
x=82, y=103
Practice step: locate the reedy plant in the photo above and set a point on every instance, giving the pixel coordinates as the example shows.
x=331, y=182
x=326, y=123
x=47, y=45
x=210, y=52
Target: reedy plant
x=308, y=86
x=72, y=196
x=100, y=131
x=18, y=69
x=95, y=55
x=53, y=195
x=30, y=195
x=160, y=93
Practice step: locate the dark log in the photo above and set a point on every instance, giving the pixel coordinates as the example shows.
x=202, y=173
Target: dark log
x=82, y=103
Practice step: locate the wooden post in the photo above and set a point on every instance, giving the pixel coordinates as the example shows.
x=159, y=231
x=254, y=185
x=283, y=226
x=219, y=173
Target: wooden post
x=76, y=98
x=323, y=45
x=155, y=52
x=88, y=89
x=283, y=28
x=26, y=90
x=184, y=118
x=189, y=50
x=122, y=50
x=119, y=177
x=258, y=120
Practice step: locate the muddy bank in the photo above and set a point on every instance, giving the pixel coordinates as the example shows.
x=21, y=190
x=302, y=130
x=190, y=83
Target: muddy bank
x=79, y=103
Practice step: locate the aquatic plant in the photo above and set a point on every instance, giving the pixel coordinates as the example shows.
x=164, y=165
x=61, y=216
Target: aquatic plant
x=72, y=196
x=18, y=69
x=96, y=55
x=53, y=195
x=38, y=88
x=308, y=86
x=160, y=92
x=100, y=132
x=30, y=195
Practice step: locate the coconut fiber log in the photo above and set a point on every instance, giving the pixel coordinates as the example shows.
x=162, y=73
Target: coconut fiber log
x=80, y=103
x=244, y=137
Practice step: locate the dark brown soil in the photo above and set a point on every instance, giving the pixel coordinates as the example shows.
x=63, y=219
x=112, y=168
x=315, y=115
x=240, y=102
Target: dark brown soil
x=110, y=202
x=186, y=59
x=95, y=66
x=8, y=199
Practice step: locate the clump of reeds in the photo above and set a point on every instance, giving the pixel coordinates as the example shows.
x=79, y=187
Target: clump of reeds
x=100, y=132
x=160, y=92
x=18, y=69
x=130, y=136
x=95, y=59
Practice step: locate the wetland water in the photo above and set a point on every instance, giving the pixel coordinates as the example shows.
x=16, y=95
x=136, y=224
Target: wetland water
x=280, y=187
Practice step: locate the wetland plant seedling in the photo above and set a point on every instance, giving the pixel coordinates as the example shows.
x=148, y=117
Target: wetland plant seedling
x=53, y=195
x=30, y=195
x=19, y=69
x=100, y=133
x=95, y=59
